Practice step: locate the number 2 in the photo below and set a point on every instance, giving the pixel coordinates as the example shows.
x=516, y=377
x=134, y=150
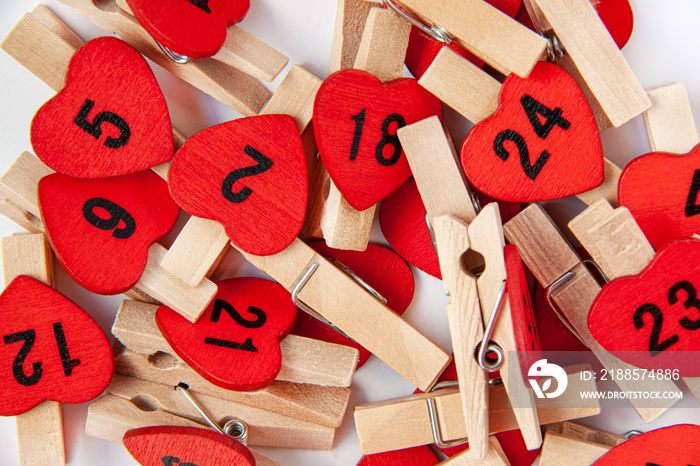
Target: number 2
x=260, y=319
x=264, y=164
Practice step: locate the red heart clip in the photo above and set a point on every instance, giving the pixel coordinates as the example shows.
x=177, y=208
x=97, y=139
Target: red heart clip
x=416, y=456
x=50, y=349
x=661, y=192
x=651, y=320
x=185, y=446
x=249, y=175
x=677, y=445
x=541, y=144
x=355, y=122
x=110, y=119
x=236, y=342
x=101, y=229
x=195, y=28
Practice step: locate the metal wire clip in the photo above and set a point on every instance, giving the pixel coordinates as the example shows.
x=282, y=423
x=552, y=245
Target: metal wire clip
x=235, y=428
x=486, y=362
x=435, y=31
x=555, y=49
x=174, y=56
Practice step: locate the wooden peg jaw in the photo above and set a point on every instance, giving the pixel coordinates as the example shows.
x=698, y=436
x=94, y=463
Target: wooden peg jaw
x=669, y=122
x=341, y=300
x=405, y=422
x=304, y=360
x=607, y=190
x=494, y=457
x=576, y=444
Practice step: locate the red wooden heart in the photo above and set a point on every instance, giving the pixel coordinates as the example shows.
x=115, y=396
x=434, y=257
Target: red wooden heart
x=248, y=174
x=382, y=269
x=101, y=229
x=542, y=142
x=666, y=291
x=422, y=49
x=110, y=119
x=558, y=337
x=402, y=220
x=416, y=456
x=355, y=123
x=185, y=446
x=50, y=350
x=661, y=192
x=196, y=28
x=677, y=445
x=236, y=342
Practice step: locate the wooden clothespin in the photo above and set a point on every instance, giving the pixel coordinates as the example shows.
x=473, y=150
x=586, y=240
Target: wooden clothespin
x=39, y=430
x=573, y=289
x=222, y=81
x=575, y=26
x=407, y=422
x=494, y=457
x=19, y=186
x=576, y=444
x=381, y=52
x=304, y=360
x=449, y=206
x=202, y=243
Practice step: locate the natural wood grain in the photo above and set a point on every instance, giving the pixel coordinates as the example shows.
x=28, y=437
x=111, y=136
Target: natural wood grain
x=304, y=360
x=295, y=97
x=494, y=457
x=405, y=422
x=350, y=20
x=462, y=85
x=39, y=430
x=313, y=403
x=265, y=427
x=493, y=36
x=559, y=449
x=577, y=431
x=549, y=256
x=18, y=188
x=110, y=417
x=597, y=57
x=381, y=52
x=338, y=298
x=669, y=122
x=607, y=190
x=226, y=84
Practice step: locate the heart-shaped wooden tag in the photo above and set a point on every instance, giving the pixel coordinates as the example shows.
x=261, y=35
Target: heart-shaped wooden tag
x=661, y=192
x=101, y=229
x=542, y=142
x=651, y=319
x=355, y=122
x=236, y=342
x=110, y=119
x=416, y=456
x=249, y=175
x=379, y=267
x=195, y=28
x=677, y=445
x=185, y=446
x=50, y=349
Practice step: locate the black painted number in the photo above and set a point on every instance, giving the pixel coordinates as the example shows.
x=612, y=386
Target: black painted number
x=116, y=214
x=259, y=321
x=387, y=139
x=95, y=128
x=174, y=461
x=691, y=302
x=691, y=207
x=29, y=337
x=264, y=164
x=533, y=109
x=202, y=5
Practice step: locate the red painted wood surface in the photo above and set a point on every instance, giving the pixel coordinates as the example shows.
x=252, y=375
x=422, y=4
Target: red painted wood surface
x=110, y=119
x=50, y=350
x=249, y=175
x=416, y=456
x=661, y=192
x=616, y=15
x=557, y=336
x=542, y=142
x=422, y=49
x=677, y=445
x=236, y=342
x=101, y=229
x=196, y=28
x=355, y=122
x=185, y=446
x=379, y=267
x=652, y=319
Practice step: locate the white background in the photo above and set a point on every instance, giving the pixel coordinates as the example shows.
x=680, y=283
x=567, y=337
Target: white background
x=664, y=47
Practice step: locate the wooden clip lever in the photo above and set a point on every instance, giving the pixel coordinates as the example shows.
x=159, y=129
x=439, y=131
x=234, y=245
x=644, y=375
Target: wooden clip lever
x=19, y=189
x=406, y=422
x=318, y=284
x=576, y=444
x=560, y=271
x=39, y=430
x=304, y=360
x=669, y=122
